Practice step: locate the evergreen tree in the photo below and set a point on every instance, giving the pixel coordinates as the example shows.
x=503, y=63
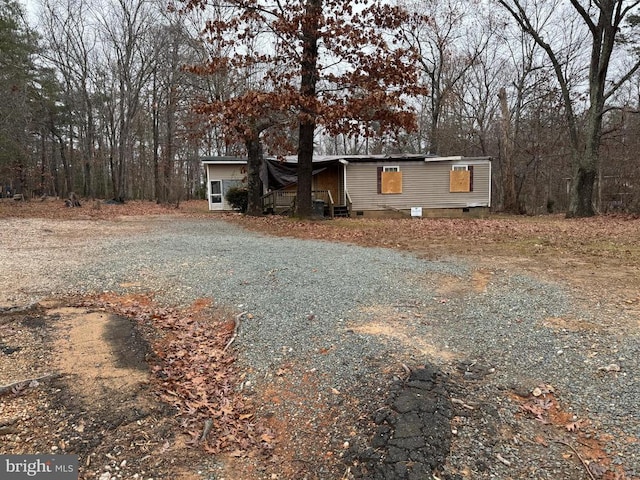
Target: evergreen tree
x=18, y=45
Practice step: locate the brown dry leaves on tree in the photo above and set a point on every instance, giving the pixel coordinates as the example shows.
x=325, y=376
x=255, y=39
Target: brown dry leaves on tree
x=195, y=373
x=363, y=70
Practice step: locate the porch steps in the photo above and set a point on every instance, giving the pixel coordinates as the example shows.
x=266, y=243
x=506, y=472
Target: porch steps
x=340, y=211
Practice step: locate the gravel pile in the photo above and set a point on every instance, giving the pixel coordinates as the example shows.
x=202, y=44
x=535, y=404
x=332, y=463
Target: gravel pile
x=310, y=303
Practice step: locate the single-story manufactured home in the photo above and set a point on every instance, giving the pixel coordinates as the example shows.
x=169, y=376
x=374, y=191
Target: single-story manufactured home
x=365, y=185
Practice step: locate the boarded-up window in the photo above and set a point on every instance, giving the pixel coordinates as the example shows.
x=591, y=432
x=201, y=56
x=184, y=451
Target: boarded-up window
x=461, y=179
x=389, y=180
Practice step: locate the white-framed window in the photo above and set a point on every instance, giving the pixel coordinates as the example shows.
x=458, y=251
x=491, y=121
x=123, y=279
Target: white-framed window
x=459, y=167
x=391, y=168
x=228, y=184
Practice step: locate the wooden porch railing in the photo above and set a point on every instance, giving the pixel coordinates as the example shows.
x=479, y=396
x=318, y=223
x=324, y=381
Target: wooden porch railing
x=330, y=203
x=283, y=201
x=278, y=201
x=349, y=203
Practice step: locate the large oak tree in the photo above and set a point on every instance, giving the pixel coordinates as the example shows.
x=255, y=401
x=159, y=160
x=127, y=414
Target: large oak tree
x=336, y=63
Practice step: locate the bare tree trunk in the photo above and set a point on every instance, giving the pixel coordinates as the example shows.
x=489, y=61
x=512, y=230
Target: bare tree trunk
x=155, y=120
x=586, y=162
x=581, y=195
x=309, y=80
x=43, y=164
x=53, y=170
x=118, y=181
x=89, y=188
x=254, y=185
x=510, y=201
x=305, y=170
x=68, y=166
x=64, y=192
x=169, y=186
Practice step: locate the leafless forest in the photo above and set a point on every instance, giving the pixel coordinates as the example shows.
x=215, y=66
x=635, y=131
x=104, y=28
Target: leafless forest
x=121, y=98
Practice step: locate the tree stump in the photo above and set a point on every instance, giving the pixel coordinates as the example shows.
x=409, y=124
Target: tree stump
x=72, y=201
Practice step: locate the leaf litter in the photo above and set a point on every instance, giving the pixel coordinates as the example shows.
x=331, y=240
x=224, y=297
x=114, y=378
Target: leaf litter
x=195, y=374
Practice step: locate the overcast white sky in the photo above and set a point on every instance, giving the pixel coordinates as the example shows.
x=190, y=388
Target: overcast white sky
x=31, y=7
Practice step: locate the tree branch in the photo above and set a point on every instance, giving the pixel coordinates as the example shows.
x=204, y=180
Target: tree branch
x=25, y=383
x=585, y=16
x=623, y=13
x=523, y=20
x=622, y=80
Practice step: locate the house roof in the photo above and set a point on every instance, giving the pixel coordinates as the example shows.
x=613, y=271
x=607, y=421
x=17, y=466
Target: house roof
x=360, y=158
x=224, y=160
x=292, y=159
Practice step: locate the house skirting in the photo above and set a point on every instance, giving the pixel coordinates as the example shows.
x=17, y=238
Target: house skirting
x=467, y=212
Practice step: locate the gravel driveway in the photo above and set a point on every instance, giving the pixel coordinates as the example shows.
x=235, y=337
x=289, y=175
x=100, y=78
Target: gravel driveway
x=354, y=318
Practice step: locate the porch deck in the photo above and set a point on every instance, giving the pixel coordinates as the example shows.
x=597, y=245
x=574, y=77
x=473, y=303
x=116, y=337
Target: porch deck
x=282, y=202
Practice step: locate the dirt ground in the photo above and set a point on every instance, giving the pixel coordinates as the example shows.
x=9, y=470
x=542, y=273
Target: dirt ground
x=75, y=372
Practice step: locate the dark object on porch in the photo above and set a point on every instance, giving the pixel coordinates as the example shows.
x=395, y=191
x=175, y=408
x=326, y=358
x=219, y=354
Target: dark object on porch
x=318, y=208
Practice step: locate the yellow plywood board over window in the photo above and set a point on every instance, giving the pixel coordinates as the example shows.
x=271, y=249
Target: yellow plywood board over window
x=459, y=181
x=391, y=182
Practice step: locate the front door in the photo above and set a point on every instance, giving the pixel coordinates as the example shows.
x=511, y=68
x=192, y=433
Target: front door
x=330, y=179
x=215, y=195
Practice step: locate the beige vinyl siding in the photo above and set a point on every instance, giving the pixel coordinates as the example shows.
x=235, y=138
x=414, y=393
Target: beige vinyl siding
x=424, y=184
x=226, y=172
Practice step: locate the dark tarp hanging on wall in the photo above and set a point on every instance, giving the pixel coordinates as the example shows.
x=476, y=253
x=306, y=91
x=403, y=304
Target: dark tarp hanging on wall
x=276, y=174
